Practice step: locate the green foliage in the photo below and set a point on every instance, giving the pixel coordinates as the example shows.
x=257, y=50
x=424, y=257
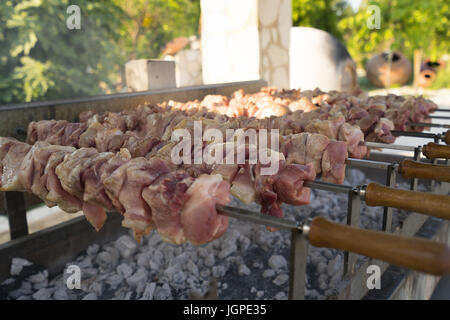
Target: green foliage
x=148, y=25
x=320, y=14
x=442, y=79
x=40, y=58
x=405, y=26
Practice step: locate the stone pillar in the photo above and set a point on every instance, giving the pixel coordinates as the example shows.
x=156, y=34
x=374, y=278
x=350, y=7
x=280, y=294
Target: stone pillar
x=275, y=22
x=246, y=40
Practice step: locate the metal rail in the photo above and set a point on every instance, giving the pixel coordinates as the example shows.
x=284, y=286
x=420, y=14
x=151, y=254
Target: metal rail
x=438, y=117
x=431, y=125
x=14, y=118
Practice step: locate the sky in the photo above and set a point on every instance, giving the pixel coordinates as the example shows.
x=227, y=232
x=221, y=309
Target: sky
x=355, y=4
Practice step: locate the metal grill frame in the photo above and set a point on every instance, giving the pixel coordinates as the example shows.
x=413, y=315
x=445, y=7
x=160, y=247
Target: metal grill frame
x=55, y=246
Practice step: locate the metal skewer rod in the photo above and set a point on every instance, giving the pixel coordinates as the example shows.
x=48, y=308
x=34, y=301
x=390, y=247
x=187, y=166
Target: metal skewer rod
x=247, y=215
x=431, y=125
x=389, y=146
x=369, y=163
x=435, y=136
x=438, y=117
x=442, y=110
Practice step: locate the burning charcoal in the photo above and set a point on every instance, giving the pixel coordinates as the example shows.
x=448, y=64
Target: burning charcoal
x=61, y=294
x=149, y=291
x=92, y=250
x=243, y=270
x=277, y=262
x=154, y=240
x=104, y=259
x=179, y=277
x=281, y=296
x=128, y=295
x=126, y=245
x=170, y=271
x=139, y=276
x=163, y=293
x=210, y=260
x=25, y=289
x=205, y=273
x=312, y=294
x=43, y=294
x=143, y=260
x=97, y=288
x=335, y=265
x=192, y=268
x=323, y=281
x=218, y=271
x=321, y=267
x=17, y=265
x=227, y=250
x=244, y=243
x=203, y=252
x=90, y=272
x=268, y=273
x=90, y=296
x=114, y=281
x=281, y=279
x=124, y=270
x=39, y=280
x=179, y=260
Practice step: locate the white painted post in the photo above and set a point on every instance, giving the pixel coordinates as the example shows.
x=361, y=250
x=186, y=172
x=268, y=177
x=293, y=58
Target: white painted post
x=150, y=74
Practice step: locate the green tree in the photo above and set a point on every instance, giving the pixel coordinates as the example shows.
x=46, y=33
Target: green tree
x=40, y=58
x=320, y=14
x=405, y=25
x=149, y=24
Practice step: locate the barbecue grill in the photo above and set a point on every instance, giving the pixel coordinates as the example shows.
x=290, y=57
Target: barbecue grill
x=55, y=246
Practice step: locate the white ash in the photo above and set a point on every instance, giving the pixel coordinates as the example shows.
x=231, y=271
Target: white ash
x=17, y=265
x=281, y=279
x=90, y=296
x=125, y=270
x=149, y=291
x=126, y=245
x=268, y=273
x=243, y=270
x=248, y=262
x=92, y=250
x=277, y=262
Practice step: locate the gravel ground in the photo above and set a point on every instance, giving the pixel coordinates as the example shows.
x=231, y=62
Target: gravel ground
x=248, y=262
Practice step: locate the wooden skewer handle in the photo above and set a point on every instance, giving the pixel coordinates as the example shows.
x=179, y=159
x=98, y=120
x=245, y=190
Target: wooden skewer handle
x=435, y=205
x=413, y=253
x=414, y=169
x=447, y=137
x=434, y=151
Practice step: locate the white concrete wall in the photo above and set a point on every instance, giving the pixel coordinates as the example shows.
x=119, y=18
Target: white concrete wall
x=188, y=67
